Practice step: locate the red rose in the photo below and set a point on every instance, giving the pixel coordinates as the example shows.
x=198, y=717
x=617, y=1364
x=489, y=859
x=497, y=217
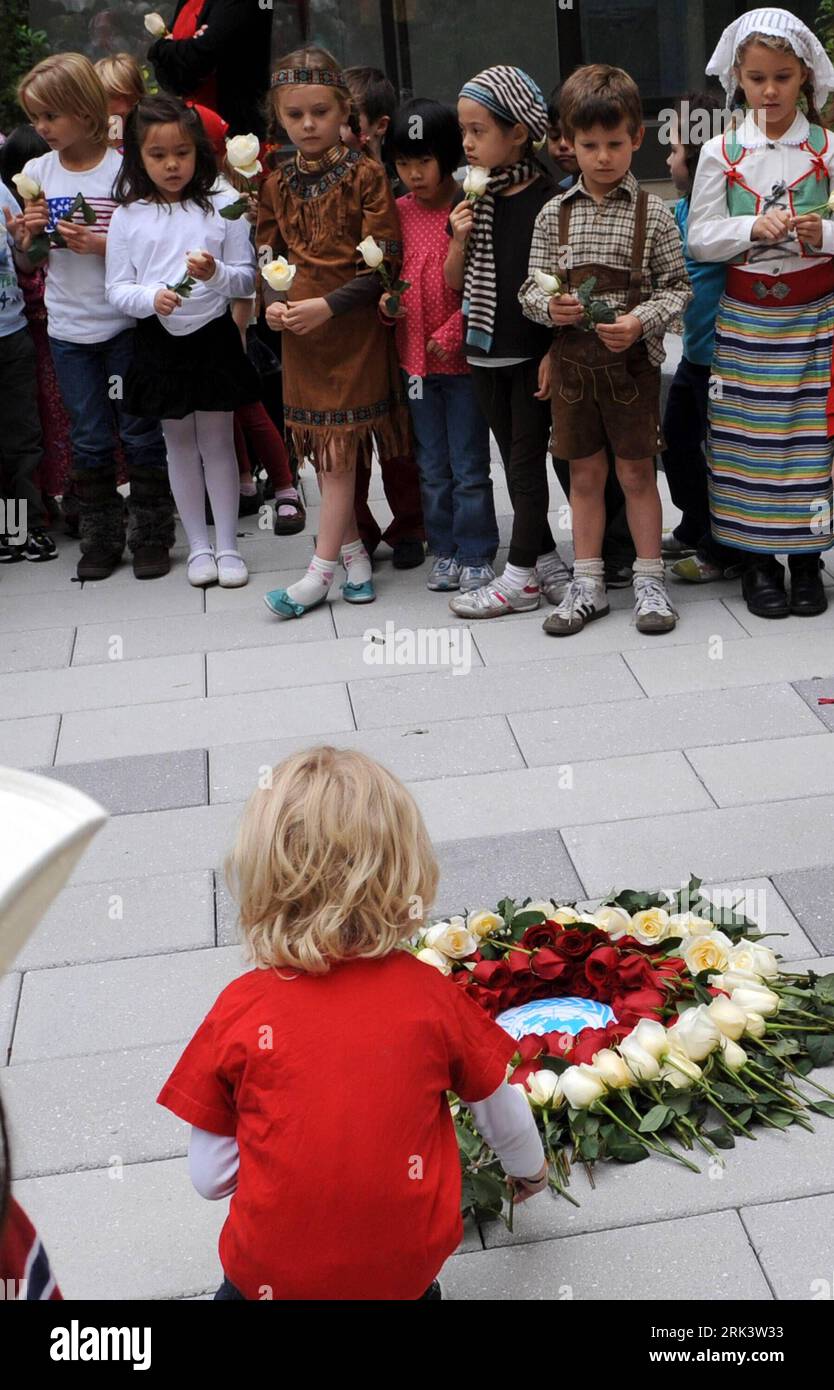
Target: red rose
x=519, y=963
x=558, y=1044
x=548, y=965
x=543, y=934
x=576, y=944
x=640, y=1003
x=495, y=974
x=525, y=1069
x=586, y=1043
x=530, y=1046
x=634, y=972
x=601, y=970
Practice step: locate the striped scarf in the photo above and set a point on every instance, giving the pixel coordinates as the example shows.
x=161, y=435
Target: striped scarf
x=480, y=294
x=512, y=95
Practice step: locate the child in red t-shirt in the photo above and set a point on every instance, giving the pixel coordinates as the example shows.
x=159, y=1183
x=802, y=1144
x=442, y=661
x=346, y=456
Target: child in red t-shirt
x=317, y=1083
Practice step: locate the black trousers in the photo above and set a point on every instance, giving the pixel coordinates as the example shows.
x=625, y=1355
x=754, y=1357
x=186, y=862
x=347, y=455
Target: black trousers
x=685, y=425
x=21, y=446
x=521, y=425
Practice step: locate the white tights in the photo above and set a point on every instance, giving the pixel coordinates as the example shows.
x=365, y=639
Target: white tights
x=201, y=456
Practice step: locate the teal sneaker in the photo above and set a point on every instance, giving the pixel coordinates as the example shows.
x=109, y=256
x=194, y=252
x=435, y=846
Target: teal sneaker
x=359, y=593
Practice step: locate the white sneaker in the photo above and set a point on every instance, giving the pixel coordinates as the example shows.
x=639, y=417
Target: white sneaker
x=652, y=610
x=496, y=599
x=553, y=576
x=584, y=601
x=445, y=574
x=231, y=570
x=201, y=568
x=475, y=577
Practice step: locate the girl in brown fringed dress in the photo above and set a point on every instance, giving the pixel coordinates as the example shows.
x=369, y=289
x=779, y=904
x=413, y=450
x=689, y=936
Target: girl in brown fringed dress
x=342, y=386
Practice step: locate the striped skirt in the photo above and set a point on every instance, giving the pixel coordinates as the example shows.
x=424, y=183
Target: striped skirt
x=768, y=449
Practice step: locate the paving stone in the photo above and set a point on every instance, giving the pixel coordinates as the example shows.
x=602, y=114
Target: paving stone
x=100, y=603
x=28, y=742
x=812, y=692
x=758, y=661
x=767, y=770
x=149, y=782
x=792, y=1241
x=73, y=1113
x=536, y=685
x=158, y=842
x=204, y=632
x=122, y=918
x=761, y=901
x=788, y=627
x=112, y=1005
x=666, y=1256
x=48, y=649
x=348, y=659
x=611, y=730
x=809, y=894
x=719, y=844
x=478, y=873
x=101, y=687
x=412, y=751
x=176, y=724
x=9, y=997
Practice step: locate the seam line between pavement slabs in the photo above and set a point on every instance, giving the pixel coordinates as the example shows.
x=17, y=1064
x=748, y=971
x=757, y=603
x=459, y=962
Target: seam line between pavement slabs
x=73, y=645
x=508, y=722
x=13, y=1029
x=132, y=955
x=560, y=831
x=783, y=900
x=690, y=764
x=57, y=740
x=624, y=659
x=350, y=707
x=754, y=1252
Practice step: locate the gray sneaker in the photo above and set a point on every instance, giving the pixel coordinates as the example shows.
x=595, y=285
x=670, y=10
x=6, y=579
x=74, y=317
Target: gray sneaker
x=584, y=601
x=673, y=549
x=553, y=576
x=475, y=576
x=652, y=610
x=445, y=574
x=496, y=600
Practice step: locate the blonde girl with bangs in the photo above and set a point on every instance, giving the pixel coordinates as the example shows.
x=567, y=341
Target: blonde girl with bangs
x=91, y=341
x=316, y=1086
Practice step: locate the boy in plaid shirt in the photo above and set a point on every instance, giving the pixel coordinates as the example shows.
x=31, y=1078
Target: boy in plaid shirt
x=606, y=371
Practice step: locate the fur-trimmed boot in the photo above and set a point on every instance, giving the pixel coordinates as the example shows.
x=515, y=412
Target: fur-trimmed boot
x=101, y=525
x=150, y=527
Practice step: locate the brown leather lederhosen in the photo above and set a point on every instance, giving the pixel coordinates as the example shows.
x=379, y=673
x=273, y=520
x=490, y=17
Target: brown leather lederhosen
x=600, y=388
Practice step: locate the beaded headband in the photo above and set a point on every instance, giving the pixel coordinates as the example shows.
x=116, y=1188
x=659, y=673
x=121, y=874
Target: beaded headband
x=312, y=77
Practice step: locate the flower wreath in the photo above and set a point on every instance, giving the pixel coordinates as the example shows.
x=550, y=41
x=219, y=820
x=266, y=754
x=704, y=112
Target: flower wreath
x=687, y=983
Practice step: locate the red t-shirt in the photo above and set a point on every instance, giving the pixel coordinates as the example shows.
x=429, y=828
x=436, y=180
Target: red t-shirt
x=335, y=1087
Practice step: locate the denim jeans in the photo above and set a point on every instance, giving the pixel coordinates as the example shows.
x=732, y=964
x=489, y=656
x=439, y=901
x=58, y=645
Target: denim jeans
x=86, y=373
x=452, y=450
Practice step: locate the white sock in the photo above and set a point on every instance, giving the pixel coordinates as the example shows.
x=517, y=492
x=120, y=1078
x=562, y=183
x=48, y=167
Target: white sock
x=357, y=562
x=313, y=587
x=649, y=569
x=590, y=569
x=518, y=577
x=185, y=474
x=216, y=442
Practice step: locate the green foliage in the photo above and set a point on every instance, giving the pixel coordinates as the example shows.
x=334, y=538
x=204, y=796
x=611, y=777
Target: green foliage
x=21, y=48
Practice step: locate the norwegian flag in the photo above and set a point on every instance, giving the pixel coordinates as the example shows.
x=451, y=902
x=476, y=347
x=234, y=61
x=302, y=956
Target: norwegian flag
x=102, y=207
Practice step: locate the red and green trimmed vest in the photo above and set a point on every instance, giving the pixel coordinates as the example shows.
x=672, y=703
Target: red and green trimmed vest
x=805, y=194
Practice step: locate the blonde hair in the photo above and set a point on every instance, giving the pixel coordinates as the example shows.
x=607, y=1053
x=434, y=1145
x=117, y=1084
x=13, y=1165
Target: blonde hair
x=68, y=84
x=121, y=76
x=777, y=44
x=332, y=863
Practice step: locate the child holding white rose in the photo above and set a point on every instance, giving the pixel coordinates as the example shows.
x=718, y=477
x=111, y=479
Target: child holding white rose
x=347, y=1187
x=343, y=394
x=190, y=368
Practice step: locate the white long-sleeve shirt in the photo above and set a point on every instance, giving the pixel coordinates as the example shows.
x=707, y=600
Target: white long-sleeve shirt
x=504, y=1120
x=712, y=235
x=146, y=249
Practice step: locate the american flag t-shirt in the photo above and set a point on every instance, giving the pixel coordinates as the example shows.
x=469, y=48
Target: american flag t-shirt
x=59, y=210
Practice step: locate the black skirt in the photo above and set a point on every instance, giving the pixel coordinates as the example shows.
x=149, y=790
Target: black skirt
x=172, y=376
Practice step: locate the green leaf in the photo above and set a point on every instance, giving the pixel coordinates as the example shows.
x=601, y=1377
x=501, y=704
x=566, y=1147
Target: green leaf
x=625, y=1149
x=729, y=1095
x=657, y=1118
x=601, y=312
x=820, y=1048
x=822, y=1107
x=490, y=952
x=783, y=1118
x=804, y=1065
x=824, y=989
x=722, y=1138
x=785, y=1047
x=39, y=249
x=679, y=1102
x=557, y=1064
x=506, y=909
x=525, y=919
x=232, y=211
x=86, y=211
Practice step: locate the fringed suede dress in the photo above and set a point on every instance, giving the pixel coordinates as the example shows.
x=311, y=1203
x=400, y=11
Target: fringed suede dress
x=343, y=391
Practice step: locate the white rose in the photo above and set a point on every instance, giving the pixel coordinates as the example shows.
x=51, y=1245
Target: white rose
x=734, y=1056
x=372, y=254
x=755, y=1026
x=760, y=960
x=644, y=1066
x=650, y=926
x=430, y=957
x=695, y=1033
x=484, y=923
x=689, y=924
x=710, y=952
x=242, y=153
x=476, y=181
x=155, y=25
x=279, y=274
x=26, y=187
x=756, y=1000
x=679, y=1070
x=652, y=1036
x=544, y=1090
x=545, y=907
x=582, y=1085
x=613, y=920
x=549, y=284
x=613, y=1069
x=452, y=938
x=735, y=979
x=728, y=1018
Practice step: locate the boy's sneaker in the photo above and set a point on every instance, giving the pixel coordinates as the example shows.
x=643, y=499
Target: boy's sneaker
x=553, y=576
x=673, y=549
x=39, y=546
x=652, y=610
x=584, y=601
x=475, y=577
x=696, y=570
x=445, y=574
x=9, y=553
x=496, y=600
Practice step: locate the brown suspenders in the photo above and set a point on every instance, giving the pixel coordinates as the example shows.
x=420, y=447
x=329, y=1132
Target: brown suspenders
x=630, y=280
